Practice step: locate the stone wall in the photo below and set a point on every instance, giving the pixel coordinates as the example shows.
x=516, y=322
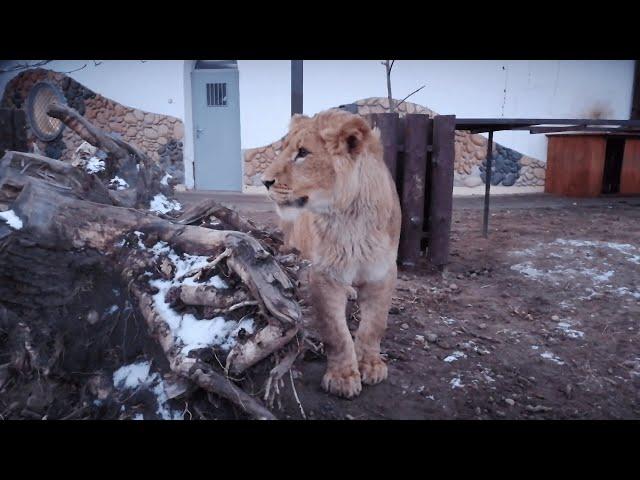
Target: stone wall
x=510, y=167
x=160, y=136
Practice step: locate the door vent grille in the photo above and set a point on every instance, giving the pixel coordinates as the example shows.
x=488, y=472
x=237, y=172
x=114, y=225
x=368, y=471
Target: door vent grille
x=216, y=94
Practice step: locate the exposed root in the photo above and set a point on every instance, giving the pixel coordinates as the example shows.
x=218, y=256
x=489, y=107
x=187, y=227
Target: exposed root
x=193, y=368
x=295, y=394
x=200, y=272
x=274, y=381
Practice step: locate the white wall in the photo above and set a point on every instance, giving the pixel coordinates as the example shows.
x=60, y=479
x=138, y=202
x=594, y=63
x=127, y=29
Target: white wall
x=466, y=88
x=158, y=86
x=155, y=85
x=265, y=100
x=542, y=89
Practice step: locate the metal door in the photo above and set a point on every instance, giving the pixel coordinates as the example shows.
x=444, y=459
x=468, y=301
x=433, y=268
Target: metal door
x=216, y=125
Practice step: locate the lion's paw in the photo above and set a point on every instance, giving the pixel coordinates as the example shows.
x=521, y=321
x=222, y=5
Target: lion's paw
x=373, y=370
x=342, y=382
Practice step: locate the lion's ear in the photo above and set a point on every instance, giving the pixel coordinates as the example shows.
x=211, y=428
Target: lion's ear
x=348, y=136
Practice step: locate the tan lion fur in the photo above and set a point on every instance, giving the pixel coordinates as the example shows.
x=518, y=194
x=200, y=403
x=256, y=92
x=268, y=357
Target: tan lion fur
x=339, y=207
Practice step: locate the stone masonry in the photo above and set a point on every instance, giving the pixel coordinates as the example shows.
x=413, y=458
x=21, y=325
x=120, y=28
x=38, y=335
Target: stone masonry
x=511, y=168
x=160, y=136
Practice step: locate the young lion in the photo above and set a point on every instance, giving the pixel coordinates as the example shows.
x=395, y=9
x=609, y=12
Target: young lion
x=339, y=207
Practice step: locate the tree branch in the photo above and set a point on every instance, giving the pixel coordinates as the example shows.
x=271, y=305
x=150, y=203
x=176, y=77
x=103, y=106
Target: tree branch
x=25, y=66
x=388, y=67
x=415, y=91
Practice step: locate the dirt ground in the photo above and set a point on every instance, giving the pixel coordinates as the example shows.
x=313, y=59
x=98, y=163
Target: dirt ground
x=539, y=321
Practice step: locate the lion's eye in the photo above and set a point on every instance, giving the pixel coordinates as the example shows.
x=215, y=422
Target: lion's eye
x=302, y=152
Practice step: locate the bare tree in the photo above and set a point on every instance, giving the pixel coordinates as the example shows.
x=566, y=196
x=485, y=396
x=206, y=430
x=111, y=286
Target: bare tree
x=388, y=64
x=24, y=66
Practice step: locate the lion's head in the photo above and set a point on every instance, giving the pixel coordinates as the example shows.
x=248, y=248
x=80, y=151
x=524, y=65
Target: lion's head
x=318, y=160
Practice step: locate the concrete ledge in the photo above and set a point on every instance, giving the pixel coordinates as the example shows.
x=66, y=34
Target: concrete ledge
x=495, y=190
x=253, y=190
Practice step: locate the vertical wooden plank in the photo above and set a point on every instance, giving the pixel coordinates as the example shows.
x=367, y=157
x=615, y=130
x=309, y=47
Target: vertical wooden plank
x=296, y=87
x=400, y=132
x=630, y=176
x=413, y=188
x=635, y=100
x=441, y=189
x=550, y=174
x=388, y=125
x=427, y=191
x=575, y=165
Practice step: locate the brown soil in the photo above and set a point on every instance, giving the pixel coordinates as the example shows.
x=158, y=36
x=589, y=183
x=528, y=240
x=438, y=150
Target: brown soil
x=538, y=348
x=556, y=337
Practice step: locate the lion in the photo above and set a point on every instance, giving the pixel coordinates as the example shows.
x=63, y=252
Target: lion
x=338, y=206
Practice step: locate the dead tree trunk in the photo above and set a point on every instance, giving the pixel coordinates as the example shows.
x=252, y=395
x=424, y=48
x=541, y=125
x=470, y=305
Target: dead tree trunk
x=61, y=209
x=125, y=160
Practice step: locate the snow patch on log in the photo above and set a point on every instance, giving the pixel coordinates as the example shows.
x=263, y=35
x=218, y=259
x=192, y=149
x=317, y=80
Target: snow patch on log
x=138, y=375
x=190, y=332
x=118, y=183
x=193, y=333
x=185, y=264
x=165, y=179
x=94, y=165
x=132, y=376
x=162, y=204
x=12, y=219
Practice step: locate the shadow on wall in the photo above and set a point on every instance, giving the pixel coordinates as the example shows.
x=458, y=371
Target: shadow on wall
x=510, y=168
x=160, y=136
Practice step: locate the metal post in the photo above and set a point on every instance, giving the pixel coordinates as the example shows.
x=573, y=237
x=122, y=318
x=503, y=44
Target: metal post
x=296, y=86
x=487, y=189
x=635, y=99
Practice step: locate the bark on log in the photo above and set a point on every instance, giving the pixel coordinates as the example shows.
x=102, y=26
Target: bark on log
x=66, y=210
x=130, y=163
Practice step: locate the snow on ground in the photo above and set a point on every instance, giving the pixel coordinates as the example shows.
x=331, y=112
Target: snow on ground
x=570, y=332
x=456, y=383
x=551, y=356
x=455, y=356
x=12, y=219
x=585, y=264
x=138, y=375
x=162, y=204
x=447, y=321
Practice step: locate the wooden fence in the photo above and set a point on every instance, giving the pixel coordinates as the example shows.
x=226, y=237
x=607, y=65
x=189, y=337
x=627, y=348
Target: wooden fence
x=419, y=152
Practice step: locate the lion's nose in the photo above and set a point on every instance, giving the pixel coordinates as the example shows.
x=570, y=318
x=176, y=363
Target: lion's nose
x=268, y=183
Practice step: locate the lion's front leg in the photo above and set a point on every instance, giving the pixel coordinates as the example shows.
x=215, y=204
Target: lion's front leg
x=374, y=299
x=329, y=300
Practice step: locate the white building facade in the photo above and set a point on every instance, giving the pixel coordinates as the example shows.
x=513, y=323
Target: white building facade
x=465, y=88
